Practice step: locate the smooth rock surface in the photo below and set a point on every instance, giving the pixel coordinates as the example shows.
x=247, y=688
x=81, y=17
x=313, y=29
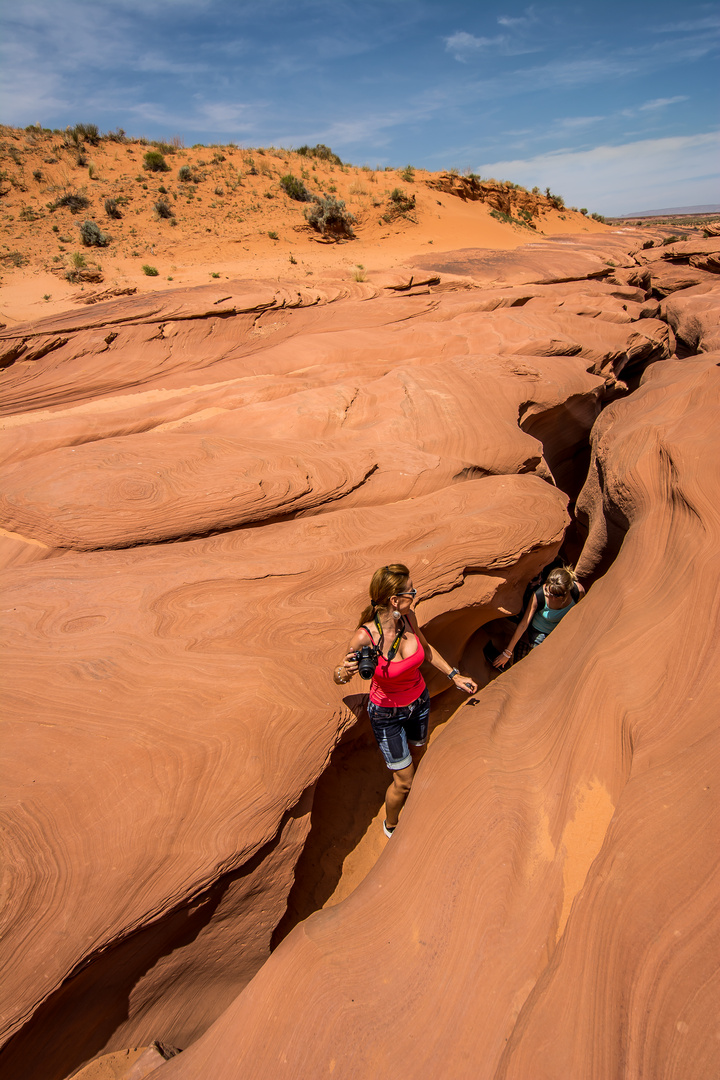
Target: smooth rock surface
x=196, y=487
x=548, y=909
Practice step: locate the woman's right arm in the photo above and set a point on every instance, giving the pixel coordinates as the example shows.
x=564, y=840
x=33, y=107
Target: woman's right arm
x=501, y=660
x=344, y=671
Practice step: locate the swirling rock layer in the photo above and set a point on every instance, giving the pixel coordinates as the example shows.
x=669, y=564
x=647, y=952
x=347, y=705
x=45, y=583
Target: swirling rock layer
x=548, y=907
x=195, y=489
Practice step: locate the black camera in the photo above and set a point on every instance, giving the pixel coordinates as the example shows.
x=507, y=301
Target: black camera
x=367, y=658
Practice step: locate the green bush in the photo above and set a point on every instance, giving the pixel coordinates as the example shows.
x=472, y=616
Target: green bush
x=408, y=174
x=295, y=188
x=13, y=258
x=75, y=201
x=163, y=147
x=155, y=162
x=86, y=133
x=188, y=175
x=401, y=203
x=556, y=201
x=329, y=216
x=321, y=151
x=598, y=217
x=163, y=209
x=92, y=236
x=149, y=271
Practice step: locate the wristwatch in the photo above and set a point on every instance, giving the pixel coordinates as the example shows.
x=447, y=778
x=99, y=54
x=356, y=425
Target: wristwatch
x=451, y=674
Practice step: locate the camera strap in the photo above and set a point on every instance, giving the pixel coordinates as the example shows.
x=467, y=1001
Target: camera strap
x=396, y=643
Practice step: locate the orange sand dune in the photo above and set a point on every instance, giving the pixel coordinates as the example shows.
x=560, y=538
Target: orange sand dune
x=221, y=223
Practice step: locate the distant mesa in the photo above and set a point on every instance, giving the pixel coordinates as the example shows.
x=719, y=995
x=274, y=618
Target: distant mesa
x=705, y=208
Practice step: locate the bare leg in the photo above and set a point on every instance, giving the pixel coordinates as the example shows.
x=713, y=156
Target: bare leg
x=397, y=793
x=399, y=790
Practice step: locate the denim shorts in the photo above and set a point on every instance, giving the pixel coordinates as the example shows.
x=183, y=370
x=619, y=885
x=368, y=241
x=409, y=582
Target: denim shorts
x=397, y=729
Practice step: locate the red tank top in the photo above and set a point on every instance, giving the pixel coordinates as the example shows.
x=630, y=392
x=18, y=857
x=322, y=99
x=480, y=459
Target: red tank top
x=397, y=682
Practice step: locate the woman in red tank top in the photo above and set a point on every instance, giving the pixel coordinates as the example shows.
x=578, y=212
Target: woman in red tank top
x=398, y=701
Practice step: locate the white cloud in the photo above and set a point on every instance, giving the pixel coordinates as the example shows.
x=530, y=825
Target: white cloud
x=463, y=45
x=661, y=102
x=651, y=106
x=520, y=20
x=676, y=171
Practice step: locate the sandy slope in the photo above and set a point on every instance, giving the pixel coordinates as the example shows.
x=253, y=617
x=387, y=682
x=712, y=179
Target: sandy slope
x=221, y=224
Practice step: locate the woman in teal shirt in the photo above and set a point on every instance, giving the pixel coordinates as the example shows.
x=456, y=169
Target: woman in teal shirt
x=548, y=605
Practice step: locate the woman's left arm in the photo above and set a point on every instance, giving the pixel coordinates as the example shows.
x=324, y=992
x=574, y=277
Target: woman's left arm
x=463, y=682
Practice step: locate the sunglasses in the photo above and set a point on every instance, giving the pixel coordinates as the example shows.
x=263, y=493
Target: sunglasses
x=412, y=593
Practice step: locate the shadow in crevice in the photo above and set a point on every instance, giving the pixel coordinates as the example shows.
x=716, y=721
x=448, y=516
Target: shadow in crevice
x=349, y=796
x=77, y=1021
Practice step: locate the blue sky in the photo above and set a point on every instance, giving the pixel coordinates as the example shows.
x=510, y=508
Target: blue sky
x=612, y=105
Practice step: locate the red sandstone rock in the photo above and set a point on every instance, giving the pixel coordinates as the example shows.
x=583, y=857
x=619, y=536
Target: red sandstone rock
x=170, y=704
x=548, y=905
x=694, y=315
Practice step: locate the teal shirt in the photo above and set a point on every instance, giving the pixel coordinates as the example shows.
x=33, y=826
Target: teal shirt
x=546, y=619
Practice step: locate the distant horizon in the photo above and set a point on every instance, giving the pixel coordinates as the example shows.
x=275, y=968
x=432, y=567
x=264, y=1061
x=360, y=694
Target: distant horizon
x=609, y=107
x=702, y=208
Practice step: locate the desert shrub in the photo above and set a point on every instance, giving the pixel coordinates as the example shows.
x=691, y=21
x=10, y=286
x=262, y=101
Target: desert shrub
x=163, y=147
x=81, y=159
x=598, y=217
x=188, y=175
x=666, y=239
x=155, y=162
x=28, y=213
x=359, y=273
x=163, y=209
x=329, y=216
x=13, y=258
x=37, y=175
x=115, y=136
x=556, y=201
x=525, y=218
x=219, y=190
x=401, y=203
x=86, y=133
x=583, y=211
x=218, y=157
x=78, y=260
x=273, y=235
x=321, y=151
x=408, y=174
x=75, y=201
x=295, y=188
x=149, y=271
x=92, y=236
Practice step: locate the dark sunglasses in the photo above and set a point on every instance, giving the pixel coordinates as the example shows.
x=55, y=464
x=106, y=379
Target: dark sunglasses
x=412, y=593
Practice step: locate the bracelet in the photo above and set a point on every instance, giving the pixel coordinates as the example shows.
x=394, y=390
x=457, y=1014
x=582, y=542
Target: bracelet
x=338, y=677
x=451, y=674
x=507, y=653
